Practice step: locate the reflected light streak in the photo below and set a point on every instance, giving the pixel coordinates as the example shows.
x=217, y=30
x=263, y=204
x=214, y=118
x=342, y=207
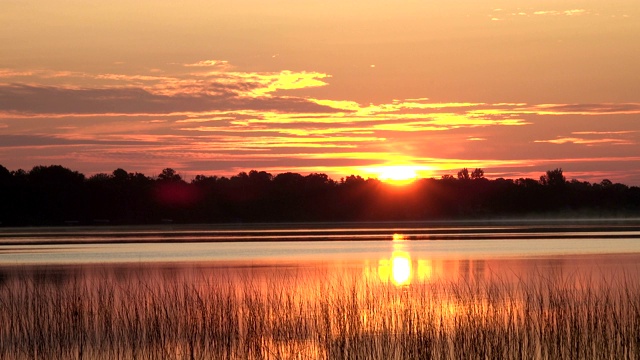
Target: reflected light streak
x=397, y=269
x=401, y=268
x=398, y=237
x=424, y=271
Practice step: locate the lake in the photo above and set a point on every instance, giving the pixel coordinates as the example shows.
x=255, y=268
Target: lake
x=526, y=289
x=488, y=245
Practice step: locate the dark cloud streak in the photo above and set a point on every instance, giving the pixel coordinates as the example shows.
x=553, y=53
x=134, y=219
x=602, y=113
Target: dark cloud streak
x=9, y=141
x=30, y=99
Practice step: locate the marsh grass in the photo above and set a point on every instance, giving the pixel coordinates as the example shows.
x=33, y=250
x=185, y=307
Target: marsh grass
x=546, y=316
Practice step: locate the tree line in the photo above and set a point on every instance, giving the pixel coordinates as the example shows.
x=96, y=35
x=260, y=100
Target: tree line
x=55, y=195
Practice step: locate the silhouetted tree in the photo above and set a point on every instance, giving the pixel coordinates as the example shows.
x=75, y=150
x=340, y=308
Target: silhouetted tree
x=477, y=174
x=169, y=174
x=120, y=175
x=5, y=176
x=51, y=195
x=175, y=198
x=463, y=174
x=553, y=178
x=56, y=194
x=352, y=180
x=100, y=177
x=6, y=193
x=289, y=198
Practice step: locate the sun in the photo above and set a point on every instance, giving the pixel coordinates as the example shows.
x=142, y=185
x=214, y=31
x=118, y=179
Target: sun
x=398, y=175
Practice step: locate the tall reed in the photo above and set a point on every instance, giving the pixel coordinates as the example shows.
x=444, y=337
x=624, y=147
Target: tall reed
x=222, y=316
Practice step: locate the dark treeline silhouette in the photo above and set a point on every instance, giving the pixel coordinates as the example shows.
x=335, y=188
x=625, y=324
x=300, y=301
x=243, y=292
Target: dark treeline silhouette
x=55, y=195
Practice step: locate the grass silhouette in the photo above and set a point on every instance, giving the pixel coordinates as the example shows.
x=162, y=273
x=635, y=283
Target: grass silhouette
x=111, y=316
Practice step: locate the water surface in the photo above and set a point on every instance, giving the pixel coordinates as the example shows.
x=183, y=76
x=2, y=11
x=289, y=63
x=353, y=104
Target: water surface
x=372, y=291
x=400, y=252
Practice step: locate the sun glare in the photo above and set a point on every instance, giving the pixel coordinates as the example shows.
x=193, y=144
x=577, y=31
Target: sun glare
x=398, y=175
x=400, y=268
x=398, y=237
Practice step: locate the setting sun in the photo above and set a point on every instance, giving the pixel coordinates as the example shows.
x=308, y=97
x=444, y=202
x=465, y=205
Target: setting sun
x=319, y=179
x=398, y=175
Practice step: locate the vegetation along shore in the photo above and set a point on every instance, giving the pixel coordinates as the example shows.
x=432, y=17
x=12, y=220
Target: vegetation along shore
x=55, y=195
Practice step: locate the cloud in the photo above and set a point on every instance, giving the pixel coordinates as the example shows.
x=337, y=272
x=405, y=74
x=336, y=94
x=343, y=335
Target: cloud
x=209, y=113
x=29, y=99
x=210, y=63
x=585, y=109
x=603, y=132
x=500, y=14
x=134, y=78
x=10, y=73
x=571, y=12
x=214, y=88
x=588, y=142
x=40, y=74
x=287, y=80
x=30, y=141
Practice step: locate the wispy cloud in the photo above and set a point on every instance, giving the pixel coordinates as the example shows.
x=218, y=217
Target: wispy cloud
x=28, y=141
x=571, y=12
x=29, y=99
x=210, y=115
x=210, y=63
x=505, y=14
x=10, y=73
x=604, y=132
x=594, y=138
x=215, y=88
x=588, y=142
x=584, y=109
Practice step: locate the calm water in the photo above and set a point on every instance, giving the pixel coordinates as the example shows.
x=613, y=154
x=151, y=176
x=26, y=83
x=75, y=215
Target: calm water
x=400, y=252
x=537, y=290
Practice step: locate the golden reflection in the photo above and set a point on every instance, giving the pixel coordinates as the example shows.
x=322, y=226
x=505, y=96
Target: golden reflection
x=398, y=237
x=404, y=268
x=424, y=271
x=399, y=268
x=315, y=313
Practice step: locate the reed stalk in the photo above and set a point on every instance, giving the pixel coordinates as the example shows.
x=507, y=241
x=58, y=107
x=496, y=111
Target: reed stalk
x=301, y=317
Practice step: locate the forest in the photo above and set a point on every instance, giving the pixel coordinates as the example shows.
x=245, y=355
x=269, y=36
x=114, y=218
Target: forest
x=55, y=195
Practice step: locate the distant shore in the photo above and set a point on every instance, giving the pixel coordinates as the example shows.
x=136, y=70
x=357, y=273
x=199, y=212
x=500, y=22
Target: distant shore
x=57, y=196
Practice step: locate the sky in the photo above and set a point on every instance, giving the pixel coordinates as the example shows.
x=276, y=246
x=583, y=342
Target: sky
x=344, y=87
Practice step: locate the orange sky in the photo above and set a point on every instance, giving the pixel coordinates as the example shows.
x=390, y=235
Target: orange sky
x=340, y=87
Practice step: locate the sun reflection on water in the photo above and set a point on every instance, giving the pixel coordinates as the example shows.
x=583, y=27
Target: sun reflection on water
x=399, y=268
x=424, y=270
x=398, y=237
